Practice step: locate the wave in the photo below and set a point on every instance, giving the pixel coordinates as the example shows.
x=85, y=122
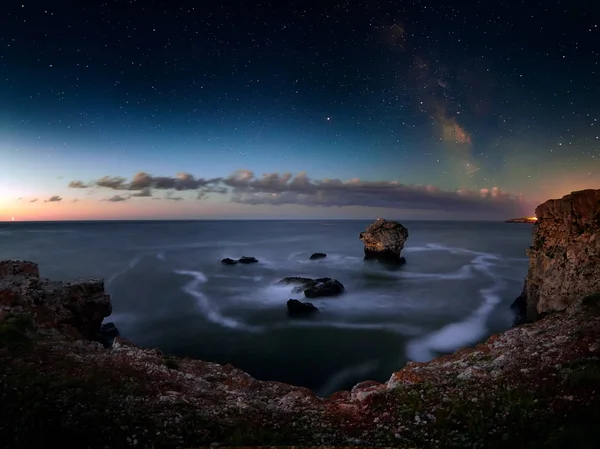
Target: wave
x=210, y=311
x=130, y=265
x=345, y=375
x=468, y=331
x=465, y=272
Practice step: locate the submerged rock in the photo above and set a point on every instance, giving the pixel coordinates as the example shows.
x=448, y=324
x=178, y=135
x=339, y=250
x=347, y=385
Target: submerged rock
x=314, y=288
x=564, y=258
x=298, y=308
x=384, y=241
x=242, y=260
x=317, y=256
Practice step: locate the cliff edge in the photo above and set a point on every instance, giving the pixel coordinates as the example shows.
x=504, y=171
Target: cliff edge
x=564, y=258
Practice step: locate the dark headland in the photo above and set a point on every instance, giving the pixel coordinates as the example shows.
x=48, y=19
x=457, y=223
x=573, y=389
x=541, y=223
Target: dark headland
x=65, y=378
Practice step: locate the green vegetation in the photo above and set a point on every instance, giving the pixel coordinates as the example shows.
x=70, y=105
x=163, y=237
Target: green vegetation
x=172, y=363
x=584, y=373
x=15, y=330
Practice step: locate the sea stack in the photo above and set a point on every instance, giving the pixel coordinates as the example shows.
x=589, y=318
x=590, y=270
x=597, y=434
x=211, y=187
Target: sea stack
x=384, y=241
x=564, y=259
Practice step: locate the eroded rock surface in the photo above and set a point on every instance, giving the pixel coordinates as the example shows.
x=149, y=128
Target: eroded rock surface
x=384, y=241
x=531, y=385
x=564, y=258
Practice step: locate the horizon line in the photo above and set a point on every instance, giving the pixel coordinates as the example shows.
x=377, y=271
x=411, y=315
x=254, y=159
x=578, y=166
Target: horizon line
x=244, y=219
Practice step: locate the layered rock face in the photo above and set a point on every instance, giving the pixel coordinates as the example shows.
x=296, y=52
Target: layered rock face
x=384, y=241
x=76, y=308
x=564, y=259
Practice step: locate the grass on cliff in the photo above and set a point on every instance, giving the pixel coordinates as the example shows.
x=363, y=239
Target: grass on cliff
x=559, y=414
x=15, y=330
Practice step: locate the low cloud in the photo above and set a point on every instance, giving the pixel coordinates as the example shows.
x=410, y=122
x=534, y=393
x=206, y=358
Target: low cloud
x=279, y=189
x=245, y=187
x=117, y=198
x=53, y=199
x=145, y=192
x=143, y=181
x=77, y=185
x=33, y=200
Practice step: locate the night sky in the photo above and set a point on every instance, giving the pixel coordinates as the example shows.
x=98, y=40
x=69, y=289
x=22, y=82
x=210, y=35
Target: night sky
x=320, y=109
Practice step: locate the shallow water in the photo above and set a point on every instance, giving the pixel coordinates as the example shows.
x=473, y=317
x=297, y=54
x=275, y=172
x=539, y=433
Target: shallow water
x=170, y=290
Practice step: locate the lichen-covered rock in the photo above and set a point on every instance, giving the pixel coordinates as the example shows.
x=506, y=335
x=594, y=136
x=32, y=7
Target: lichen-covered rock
x=564, y=259
x=384, y=241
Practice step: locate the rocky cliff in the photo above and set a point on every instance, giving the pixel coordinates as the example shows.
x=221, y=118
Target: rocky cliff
x=533, y=386
x=564, y=258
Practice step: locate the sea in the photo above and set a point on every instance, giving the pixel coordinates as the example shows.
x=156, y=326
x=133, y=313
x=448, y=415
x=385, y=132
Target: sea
x=170, y=290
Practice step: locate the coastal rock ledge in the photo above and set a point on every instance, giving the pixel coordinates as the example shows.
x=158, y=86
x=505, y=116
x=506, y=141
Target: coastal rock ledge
x=534, y=384
x=564, y=258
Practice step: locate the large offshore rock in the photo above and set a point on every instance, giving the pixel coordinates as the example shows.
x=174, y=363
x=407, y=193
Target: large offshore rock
x=384, y=241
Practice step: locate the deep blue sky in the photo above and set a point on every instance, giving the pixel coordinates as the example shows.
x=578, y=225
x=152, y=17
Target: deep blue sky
x=411, y=101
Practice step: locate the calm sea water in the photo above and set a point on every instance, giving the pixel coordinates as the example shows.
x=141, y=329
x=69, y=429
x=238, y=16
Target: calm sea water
x=169, y=290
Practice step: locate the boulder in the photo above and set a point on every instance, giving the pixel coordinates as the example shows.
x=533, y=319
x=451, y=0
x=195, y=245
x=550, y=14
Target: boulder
x=298, y=308
x=384, y=241
x=324, y=287
x=317, y=256
x=314, y=288
x=228, y=261
x=564, y=258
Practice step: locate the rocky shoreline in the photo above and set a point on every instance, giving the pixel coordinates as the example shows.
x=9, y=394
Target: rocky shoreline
x=65, y=378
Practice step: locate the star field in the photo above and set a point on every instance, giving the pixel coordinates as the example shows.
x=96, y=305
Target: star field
x=467, y=98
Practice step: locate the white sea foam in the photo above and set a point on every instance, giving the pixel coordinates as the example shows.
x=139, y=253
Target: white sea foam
x=465, y=332
x=130, y=265
x=465, y=272
x=337, y=381
x=209, y=310
x=161, y=256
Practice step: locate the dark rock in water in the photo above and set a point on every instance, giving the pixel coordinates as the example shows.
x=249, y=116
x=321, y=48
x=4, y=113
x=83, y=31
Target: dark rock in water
x=300, y=283
x=314, y=288
x=519, y=308
x=300, y=309
x=324, y=287
x=317, y=256
x=244, y=260
x=107, y=334
x=384, y=241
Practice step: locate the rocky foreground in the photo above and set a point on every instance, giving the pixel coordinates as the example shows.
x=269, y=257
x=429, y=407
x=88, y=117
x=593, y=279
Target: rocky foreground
x=536, y=385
